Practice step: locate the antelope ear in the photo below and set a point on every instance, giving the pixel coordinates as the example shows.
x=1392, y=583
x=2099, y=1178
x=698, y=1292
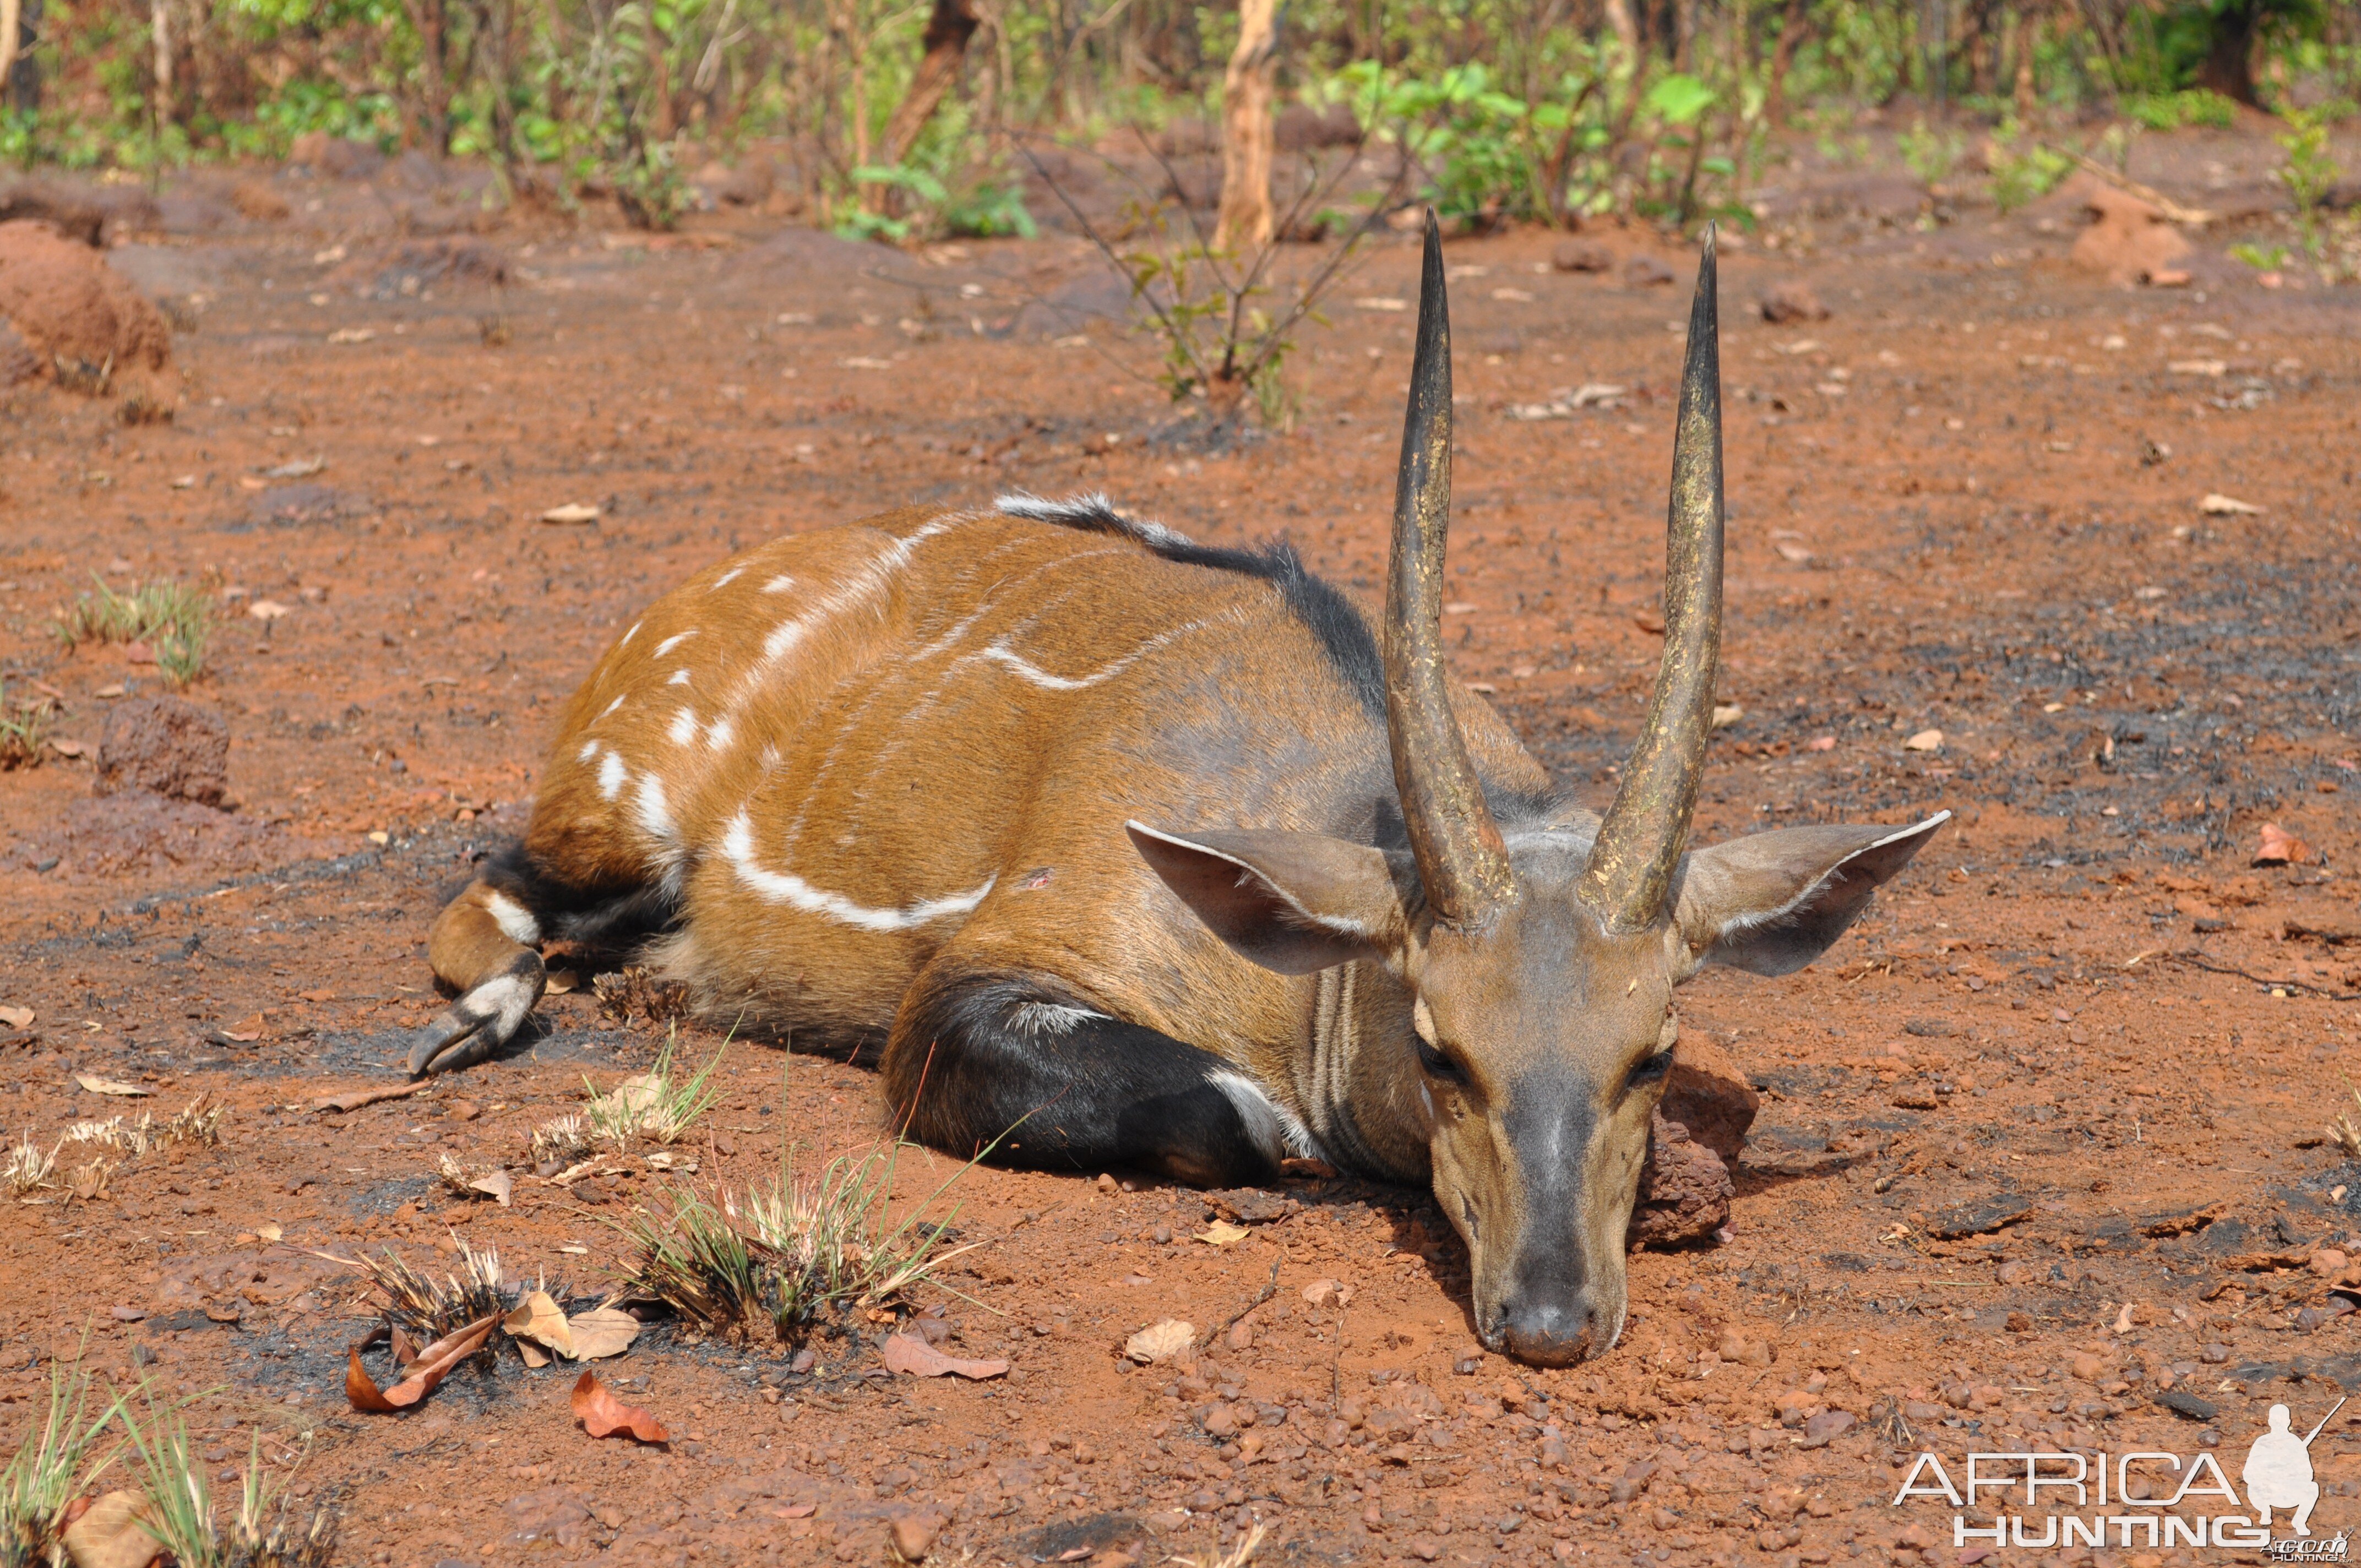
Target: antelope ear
x=1772, y=903
x=1290, y=902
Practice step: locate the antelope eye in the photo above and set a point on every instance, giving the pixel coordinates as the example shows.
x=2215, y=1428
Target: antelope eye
x=1436, y=1064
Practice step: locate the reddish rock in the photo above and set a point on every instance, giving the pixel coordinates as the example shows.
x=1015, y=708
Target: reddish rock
x=1784, y=304
x=165, y=745
x=2129, y=241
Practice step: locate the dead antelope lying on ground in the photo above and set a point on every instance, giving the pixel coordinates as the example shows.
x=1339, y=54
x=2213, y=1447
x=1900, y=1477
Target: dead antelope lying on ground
x=1156, y=851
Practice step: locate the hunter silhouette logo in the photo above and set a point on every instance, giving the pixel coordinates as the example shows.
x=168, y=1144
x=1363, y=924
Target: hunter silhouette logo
x=2149, y=1500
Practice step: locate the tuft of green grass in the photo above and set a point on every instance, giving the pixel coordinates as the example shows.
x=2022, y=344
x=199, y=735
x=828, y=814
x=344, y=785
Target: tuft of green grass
x=793, y=1249
x=181, y=1511
x=175, y=619
x=40, y=1481
x=24, y=730
x=653, y=1104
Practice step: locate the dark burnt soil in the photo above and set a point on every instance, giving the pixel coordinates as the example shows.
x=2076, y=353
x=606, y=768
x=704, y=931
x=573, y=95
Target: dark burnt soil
x=2043, y=1139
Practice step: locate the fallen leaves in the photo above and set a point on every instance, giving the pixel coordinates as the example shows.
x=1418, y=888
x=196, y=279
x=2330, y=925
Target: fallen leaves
x=354, y=1098
x=539, y=1319
x=540, y=1323
x=492, y=1183
x=2278, y=846
x=1168, y=1339
x=1221, y=1233
x=601, y=1332
x=1924, y=740
x=603, y=1414
x=2216, y=504
x=114, y=1533
x=572, y=511
x=97, y=1085
x=17, y=1017
x=431, y=1365
x=267, y=609
x=912, y=1356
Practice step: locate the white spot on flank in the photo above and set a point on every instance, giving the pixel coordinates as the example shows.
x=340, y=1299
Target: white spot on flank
x=720, y=733
x=1276, y=1133
x=723, y=580
x=673, y=642
x=610, y=707
x=515, y=921
x=679, y=678
x=684, y=727
x=589, y=751
x=611, y=776
x=782, y=887
x=783, y=637
x=779, y=584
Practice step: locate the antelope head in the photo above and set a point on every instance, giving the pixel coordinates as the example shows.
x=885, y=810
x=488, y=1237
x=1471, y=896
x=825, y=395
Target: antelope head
x=1539, y=962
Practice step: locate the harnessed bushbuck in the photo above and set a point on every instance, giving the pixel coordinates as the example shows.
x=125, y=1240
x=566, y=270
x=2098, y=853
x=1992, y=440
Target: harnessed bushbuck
x=1160, y=851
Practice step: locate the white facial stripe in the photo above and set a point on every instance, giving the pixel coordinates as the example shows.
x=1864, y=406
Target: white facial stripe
x=684, y=727
x=515, y=921
x=611, y=776
x=782, y=887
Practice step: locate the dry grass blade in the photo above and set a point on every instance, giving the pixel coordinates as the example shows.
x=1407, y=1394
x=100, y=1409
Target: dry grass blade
x=2343, y=1129
x=1241, y=1553
x=28, y=1169
x=561, y=1140
x=433, y=1309
x=655, y=1105
x=24, y=730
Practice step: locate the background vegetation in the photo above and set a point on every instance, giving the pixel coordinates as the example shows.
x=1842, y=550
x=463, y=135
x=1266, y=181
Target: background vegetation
x=901, y=118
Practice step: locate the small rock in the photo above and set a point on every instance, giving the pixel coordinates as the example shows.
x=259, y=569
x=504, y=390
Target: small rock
x=2215, y=1354
x=1828, y=1426
x=2129, y=241
x=2329, y=1261
x=1582, y=256
x=2087, y=1367
x=259, y=201
x=1241, y=1336
x=1784, y=304
x=2188, y=1406
x=914, y=1533
x=1219, y=1421
x=1426, y=1547
x=1646, y=272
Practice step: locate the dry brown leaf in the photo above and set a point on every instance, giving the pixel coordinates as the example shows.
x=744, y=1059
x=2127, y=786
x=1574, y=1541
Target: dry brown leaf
x=541, y=1320
x=434, y=1363
x=98, y=1085
x=1221, y=1233
x=17, y=1017
x=908, y=1353
x=404, y=1350
x=110, y=1533
x=603, y=1414
x=533, y=1355
x=572, y=511
x=354, y=1098
x=269, y=1231
x=497, y=1184
x=1169, y=1340
x=601, y=1332
x=2278, y=846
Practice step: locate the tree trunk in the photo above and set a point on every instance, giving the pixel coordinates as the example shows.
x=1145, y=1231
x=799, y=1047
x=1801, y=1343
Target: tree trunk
x=159, y=24
x=949, y=31
x=1685, y=25
x=1246, y=219
x=1625, y=28
x=1783, y=58
x=2029, y=40
x=432, y=124
x=9, y=23
x=2229, y=67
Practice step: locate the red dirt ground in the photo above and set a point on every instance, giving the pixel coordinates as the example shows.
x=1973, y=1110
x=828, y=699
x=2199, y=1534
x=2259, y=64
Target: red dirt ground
x=1969, y=502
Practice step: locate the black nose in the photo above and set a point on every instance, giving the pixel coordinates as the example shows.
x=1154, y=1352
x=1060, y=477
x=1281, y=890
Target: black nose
x=1548, y=1333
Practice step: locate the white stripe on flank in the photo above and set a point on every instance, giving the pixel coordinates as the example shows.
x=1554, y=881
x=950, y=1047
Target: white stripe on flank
x=673, y=642
x=724, y=579
x=1018, y=664
x=679, y=678
x=684, y=727
x=611, y=708
x=611, y=776
x=634, y=631
x=782, y=887
x=651, y=809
